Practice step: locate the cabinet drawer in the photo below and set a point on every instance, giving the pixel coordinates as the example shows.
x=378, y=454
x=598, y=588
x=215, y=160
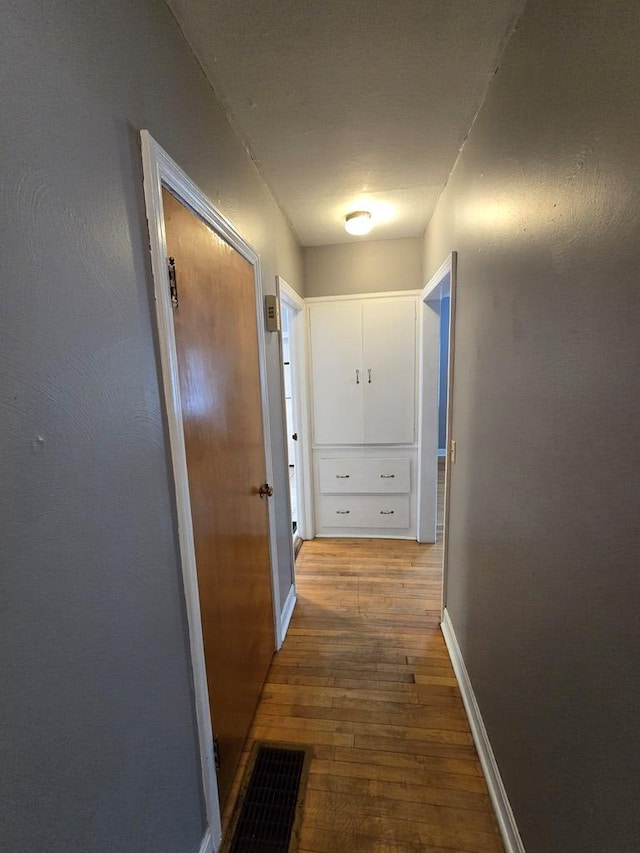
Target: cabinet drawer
x=382, y=476
x=364, y=511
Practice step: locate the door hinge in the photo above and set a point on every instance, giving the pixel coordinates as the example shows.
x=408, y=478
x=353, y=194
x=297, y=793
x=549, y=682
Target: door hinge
x=173, y=283
x=216, y=752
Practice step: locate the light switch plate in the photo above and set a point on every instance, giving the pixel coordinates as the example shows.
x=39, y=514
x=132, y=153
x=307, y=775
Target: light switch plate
x=272, y=313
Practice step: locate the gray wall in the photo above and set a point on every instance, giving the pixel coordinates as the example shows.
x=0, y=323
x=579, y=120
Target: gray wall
x=363, y=267
x=543, y=208
x=98, y=744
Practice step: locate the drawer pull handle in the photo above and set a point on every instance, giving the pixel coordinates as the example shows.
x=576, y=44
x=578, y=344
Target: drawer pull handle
x=387, y=476
x=343, y=511
x=342, y=476
x=387, y=511
x=357, y=377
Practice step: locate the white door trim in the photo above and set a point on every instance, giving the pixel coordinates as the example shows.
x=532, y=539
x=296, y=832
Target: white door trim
x=453, y=289
x=160, y=170
x=445, y=267
x=300, y=380
x=207, y=843
x=427, y=408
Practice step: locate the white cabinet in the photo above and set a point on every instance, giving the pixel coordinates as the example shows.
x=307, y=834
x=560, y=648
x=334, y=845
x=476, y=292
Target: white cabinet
x=364, y=476
x=336, y=370
x=365, y=492
x=363, y=373
x=363, y=356
x=370, y=511
x=389, y=363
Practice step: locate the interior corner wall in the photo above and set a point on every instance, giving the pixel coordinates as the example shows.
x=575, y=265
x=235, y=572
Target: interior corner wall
x=543, y=208
x=98, y=738
x=369, y=266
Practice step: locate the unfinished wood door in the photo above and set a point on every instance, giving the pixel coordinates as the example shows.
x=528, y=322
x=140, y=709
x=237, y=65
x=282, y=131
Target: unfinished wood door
x=217, y=347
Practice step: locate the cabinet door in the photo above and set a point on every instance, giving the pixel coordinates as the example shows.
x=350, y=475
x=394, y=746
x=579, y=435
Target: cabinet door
x=364, y=476
x=336, y=359
x=389, y=363
x=364, y=511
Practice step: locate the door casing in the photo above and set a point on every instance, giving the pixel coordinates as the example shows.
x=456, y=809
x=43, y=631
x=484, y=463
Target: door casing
x=160, y=170
x=297, y=306
x=428, y=408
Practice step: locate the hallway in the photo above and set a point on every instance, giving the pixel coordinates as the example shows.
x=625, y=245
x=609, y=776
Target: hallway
x=364, y=677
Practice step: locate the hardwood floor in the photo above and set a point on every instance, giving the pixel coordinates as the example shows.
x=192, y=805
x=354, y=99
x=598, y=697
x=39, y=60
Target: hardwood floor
x=364, y=677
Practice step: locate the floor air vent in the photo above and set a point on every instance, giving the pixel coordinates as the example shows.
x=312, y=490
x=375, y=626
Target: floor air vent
x=268, y=811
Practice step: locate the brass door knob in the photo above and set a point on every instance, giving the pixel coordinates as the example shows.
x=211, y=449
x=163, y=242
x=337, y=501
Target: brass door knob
x=265, y=489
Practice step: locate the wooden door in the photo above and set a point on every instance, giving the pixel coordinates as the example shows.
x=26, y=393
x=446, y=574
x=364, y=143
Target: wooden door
x=217, y=347
x=389, y=363
x=336, y=359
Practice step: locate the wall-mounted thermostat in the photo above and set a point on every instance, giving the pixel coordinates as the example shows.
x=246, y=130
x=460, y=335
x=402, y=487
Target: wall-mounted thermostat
x=272, y=313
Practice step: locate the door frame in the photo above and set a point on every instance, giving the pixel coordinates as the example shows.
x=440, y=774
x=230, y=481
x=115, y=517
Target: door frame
x=160, y=170
x=428, y=409
x=299, y=380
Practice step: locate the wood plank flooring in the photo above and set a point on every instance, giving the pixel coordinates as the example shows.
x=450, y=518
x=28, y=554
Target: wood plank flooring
x=364, y=677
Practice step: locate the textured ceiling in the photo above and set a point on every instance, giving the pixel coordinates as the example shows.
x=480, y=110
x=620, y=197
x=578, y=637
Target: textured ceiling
x=346, y=104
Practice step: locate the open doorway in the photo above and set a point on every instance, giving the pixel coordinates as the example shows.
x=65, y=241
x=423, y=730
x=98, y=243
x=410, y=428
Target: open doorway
x=291, y=422
x=437, y=447
x=296, y=416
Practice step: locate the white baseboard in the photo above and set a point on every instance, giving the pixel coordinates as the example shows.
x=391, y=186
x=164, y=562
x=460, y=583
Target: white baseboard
x=504, y=814
x=207, y=843
x=287, y=612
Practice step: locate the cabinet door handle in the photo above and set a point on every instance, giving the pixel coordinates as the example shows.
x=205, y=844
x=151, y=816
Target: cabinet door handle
x=342, y=476
x=343, y=511
x=369, y=372
x=357, y=377
x=387, y=476
x=387, y=512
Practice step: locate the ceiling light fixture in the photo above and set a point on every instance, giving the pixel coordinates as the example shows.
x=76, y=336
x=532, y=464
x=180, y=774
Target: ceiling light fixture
x=358, y=223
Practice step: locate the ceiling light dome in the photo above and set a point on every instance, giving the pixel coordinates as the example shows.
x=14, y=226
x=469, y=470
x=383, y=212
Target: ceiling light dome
x=358, y=223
